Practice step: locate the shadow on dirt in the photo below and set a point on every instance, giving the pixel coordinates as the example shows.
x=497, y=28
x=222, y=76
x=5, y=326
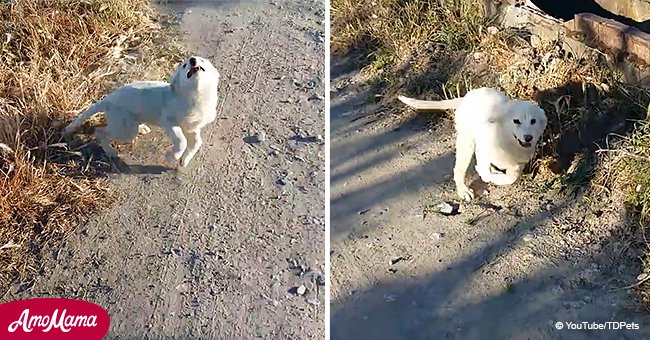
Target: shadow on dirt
x=444, y=305
x=348, y=121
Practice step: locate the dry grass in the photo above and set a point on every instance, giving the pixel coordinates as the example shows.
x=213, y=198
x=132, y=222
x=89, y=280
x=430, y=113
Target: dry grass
x=390, y=32
x=626, y=169
x=58, y=56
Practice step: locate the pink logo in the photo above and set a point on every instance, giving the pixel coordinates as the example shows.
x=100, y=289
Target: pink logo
x=53, y=318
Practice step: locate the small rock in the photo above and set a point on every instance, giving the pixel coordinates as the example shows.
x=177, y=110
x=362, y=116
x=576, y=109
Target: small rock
x=301, y=290
x=183, y=287
x=274, y=152
x=447, y=209
x=535, y=41
x=314, y=302
x=320, y=280
x=527, y=237
x=435, y=236
x=587, y=299
x=572, y=304
x=390, y=297
x=492, y=30
x=315, y=96
x=396, y=260
x=642, y=276
x=258, y=137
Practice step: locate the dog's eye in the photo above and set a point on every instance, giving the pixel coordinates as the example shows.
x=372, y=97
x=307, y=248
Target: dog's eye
x=184, y=65
x=516, y=121
x=533, y=121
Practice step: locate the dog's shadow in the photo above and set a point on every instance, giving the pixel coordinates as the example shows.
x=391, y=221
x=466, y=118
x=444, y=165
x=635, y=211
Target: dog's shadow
x=120, y=166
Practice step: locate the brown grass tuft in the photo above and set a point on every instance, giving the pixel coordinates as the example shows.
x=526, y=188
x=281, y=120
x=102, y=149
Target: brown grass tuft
x=57, y=57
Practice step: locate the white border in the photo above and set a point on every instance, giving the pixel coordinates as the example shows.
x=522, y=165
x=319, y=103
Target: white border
x=327, y=170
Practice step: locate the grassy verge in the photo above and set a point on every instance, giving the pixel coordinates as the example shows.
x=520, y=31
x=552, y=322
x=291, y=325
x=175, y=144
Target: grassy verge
x=57, y=57
x=442, y=48
x=627, y=170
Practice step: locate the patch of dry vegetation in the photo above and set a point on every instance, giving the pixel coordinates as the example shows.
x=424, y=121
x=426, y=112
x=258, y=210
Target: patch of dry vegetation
x=443, y=48
x=57, y=57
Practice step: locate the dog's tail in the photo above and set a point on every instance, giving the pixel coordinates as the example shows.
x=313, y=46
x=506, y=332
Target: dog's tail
x=431, y=104
x=99, y=106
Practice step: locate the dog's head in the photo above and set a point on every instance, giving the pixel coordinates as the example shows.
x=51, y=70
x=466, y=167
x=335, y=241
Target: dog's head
x=193, y=75
x=526, y=122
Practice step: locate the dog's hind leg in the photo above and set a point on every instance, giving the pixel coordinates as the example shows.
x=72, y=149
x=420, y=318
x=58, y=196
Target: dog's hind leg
x=194, y=142
x=105, y=142
x=120, y=127
x=179, y=142
x=509, y=177
x=464, y=152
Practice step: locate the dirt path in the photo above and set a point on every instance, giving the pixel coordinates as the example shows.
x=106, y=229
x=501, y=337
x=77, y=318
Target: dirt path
x=215, y=250
x=507, y=267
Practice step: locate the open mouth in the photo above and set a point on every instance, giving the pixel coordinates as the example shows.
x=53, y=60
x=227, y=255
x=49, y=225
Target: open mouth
x=523, y=144
x=193, y=70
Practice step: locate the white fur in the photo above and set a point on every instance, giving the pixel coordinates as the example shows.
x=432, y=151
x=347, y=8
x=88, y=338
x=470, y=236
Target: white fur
x=492, y=128
x=181, y=107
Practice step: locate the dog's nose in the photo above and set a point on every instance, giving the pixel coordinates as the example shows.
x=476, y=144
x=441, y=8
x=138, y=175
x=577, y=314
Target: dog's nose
x=192, y=61
x=528, y=138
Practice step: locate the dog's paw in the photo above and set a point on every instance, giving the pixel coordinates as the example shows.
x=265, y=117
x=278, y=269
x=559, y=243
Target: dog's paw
x=172, y=156
x=185, y=161
x=143, y=129
x=465, y=193
x=503, y=179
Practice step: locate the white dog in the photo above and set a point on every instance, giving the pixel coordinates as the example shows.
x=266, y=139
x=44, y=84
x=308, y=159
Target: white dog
x=501, y=134
x=181, y=107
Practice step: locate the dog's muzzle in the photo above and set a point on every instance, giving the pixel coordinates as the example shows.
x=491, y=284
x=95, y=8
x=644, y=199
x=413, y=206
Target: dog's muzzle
x=194, y=70
x=523, y=144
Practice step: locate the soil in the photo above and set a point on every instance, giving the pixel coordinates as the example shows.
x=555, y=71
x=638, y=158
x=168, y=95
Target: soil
x=219, y=249
x=509, y=265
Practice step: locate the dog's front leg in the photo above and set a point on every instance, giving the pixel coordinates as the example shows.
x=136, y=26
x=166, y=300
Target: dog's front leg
x=483, y=165
x=179, y=142
x=484, y=171
x=464, y=152
x=194, y=142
